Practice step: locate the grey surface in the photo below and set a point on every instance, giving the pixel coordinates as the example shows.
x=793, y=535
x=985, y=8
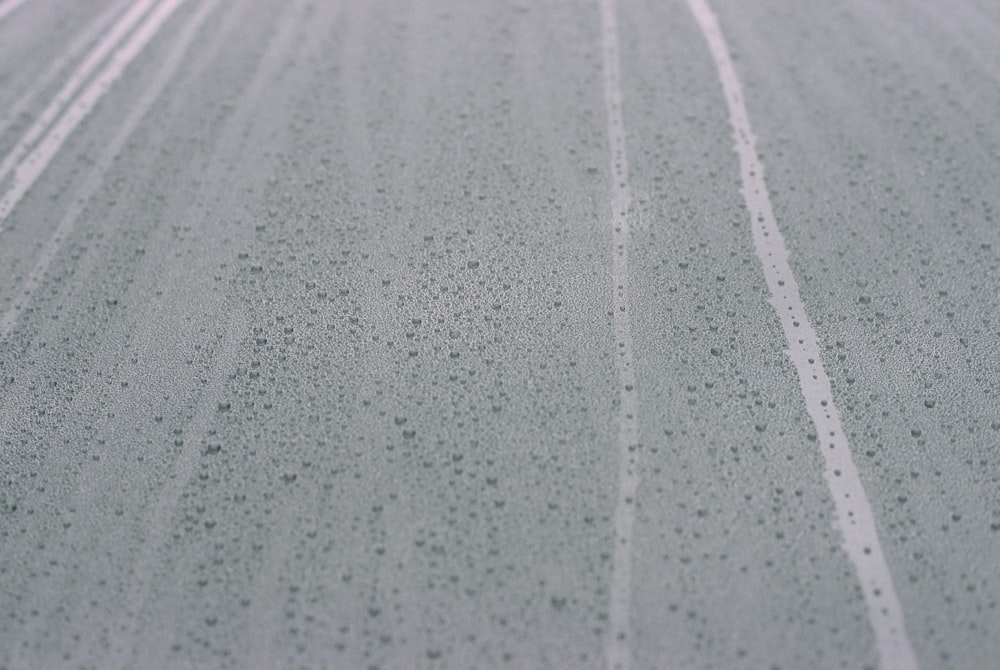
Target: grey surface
x=321, y=373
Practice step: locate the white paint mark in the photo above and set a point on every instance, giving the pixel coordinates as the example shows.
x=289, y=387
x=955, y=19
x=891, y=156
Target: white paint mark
x=11, y=114
x=618, y=649
x=854, y=514
x=68, y=222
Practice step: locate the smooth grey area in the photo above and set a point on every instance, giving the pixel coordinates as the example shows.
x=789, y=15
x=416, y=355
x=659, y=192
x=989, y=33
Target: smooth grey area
x=308, y=339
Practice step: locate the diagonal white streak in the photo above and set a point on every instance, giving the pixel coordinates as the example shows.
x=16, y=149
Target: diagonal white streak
x=618, y=647
x=73, y=52
x=8, y=7
x=8, y=319
x=854, y=514
x=62, y=99
x=28, y=170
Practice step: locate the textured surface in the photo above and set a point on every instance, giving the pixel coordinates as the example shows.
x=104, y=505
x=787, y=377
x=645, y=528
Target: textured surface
x=436, y=334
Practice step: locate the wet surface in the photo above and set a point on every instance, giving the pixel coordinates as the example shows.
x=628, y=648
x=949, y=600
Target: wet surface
x=311, y=335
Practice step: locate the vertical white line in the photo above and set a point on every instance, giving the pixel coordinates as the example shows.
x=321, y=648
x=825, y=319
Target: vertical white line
x=619, y=643
x=854, y=514
x=9, y=6
x=34, y=164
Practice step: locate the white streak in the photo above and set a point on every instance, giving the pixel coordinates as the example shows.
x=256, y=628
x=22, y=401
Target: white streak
x=65, y=95
x=854, y=513
x=72, y=54
x=618, y=649
x=34, y=164
x=9, y=6
x=68, y=222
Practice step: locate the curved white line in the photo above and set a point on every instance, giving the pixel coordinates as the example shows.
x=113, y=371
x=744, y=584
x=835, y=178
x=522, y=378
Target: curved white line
x=28, y=170
x=618, y=649
x=854, y=514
